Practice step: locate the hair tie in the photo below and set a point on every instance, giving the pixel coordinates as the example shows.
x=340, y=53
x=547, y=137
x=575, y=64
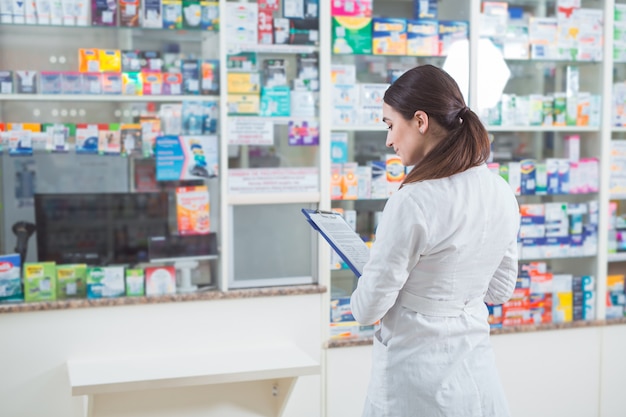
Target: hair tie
x=461, y=114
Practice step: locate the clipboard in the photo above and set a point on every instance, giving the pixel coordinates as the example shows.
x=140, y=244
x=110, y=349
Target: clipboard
x=334, y=229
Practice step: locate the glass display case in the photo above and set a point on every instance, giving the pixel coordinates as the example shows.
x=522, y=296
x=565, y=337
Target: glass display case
x=101, y=111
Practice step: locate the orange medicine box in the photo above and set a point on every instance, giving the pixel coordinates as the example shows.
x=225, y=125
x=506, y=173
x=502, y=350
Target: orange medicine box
x=152, y=83
x=88, y=60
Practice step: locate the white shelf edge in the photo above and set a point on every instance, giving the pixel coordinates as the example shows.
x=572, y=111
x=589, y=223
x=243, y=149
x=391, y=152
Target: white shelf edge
x=359, y=128
x=104, y=97
x=273, y=48
x=616, y=257
x=274, y=198
x=282, y=120
x=615, y=129
x=555, y=257
x=491, y=128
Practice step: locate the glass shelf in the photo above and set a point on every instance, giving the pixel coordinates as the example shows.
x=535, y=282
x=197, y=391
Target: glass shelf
x=104, y=97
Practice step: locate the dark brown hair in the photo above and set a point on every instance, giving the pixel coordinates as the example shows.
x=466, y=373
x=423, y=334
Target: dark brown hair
x=432, y=90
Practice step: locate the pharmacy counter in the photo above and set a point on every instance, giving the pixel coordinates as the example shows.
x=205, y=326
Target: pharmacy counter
x=196, y=296
x=185, y=355
x=337, y=343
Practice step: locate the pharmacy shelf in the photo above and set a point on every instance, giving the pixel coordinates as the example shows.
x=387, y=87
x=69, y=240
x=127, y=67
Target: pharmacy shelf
x=555, y=257
x=275, y=120
x=272, y=49
x=492, y=128
x=357, y=199
x=104, y=97
x=273, y=198
x=360, y=128
x=617, y=257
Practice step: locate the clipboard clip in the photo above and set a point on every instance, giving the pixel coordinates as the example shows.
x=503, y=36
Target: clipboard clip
x=326, y=213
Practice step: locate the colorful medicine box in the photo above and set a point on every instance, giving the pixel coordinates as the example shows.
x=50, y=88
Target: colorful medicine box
x=190, y=69
x=243, y=103
x=210, y=80
x=389, y=36
x=243, y=82
x=135, y=282
x=104, y=282
x=71, y=281
x=88, y=60
x=422, y=37
x=172, y=84
x=352, y=35
x=425, y=9
x=275, y=101
x=132, y=84
x=451, y=31
x=160, y=280
x=152, y=83
x=92, y=83
x=6, y=82
x=10, y=278
x=362, y=8
x=111, y=83
x=50, y=82
x=110, y=60
x=39, y=281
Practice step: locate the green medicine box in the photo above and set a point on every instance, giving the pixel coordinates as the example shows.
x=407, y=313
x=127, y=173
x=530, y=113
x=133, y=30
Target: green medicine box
x=71, y=281
x=39, y=281
x=352, y=35
x=135, y=284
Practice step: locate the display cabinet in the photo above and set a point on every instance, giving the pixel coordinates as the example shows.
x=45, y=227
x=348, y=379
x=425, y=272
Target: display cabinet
x=253, y=133
x=537, y=73
x=616, y=188
x=272, y=131
x=101, y=119
x=370, y=47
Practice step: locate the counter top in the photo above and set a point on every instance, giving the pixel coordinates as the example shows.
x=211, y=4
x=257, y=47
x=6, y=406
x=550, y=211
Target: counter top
x=336, y=343
x=196, y=296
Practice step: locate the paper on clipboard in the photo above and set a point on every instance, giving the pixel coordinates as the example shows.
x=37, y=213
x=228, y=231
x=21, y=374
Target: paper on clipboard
x=348, y=245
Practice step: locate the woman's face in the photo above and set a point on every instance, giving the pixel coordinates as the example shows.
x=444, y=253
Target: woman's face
x=404, y=136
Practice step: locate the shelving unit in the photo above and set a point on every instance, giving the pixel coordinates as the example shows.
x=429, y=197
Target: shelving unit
x=262, y=228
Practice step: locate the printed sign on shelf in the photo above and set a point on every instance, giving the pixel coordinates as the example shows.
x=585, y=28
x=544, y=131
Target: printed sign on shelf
x=273, y=180
x=250, y=131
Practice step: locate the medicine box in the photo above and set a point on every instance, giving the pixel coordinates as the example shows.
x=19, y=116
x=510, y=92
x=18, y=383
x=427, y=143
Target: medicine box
x=422, y=37
x=26, y=82
x=389, y=36
x=243, y=104
x=6, y=82
x=39, y=281
x=104, y=282
x=71, y=281
x=352, y=35
x=190, y=69
x=160, y=280
x=10, y=278
x=451, y=31
x=351, y=8
x=135, y=282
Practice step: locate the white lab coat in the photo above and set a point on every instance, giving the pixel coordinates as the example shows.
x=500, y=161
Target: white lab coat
x=443, y=247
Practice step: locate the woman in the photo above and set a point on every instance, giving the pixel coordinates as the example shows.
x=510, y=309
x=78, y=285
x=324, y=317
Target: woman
x=445, y=245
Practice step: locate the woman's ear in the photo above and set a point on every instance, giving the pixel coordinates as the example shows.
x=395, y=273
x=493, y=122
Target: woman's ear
x=421, y=118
